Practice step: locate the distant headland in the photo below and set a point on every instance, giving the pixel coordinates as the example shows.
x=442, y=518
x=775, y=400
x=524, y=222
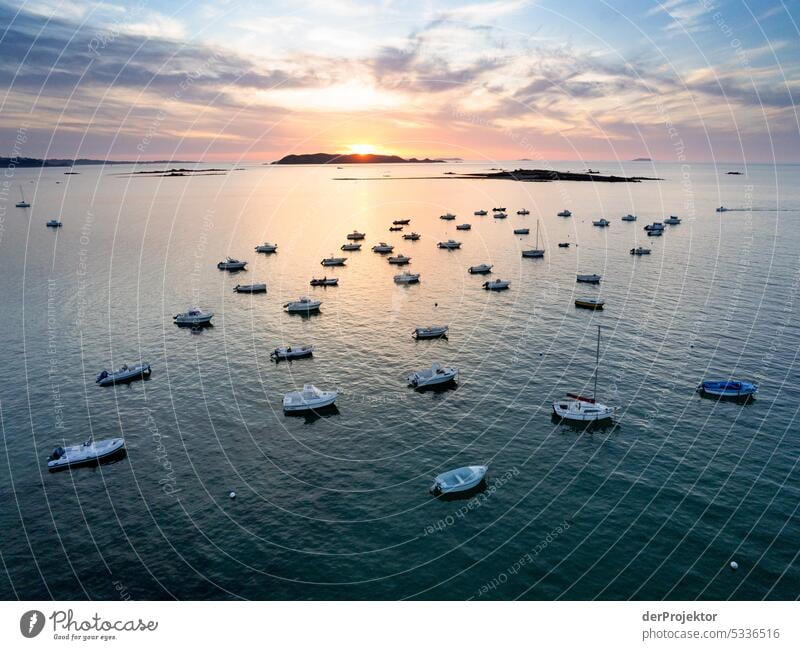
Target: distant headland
x=70, y=162
x=642, y=160
x=346, y=159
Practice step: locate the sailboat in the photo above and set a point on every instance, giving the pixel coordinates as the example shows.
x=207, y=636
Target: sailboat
x=22, y=203
x=534, y=252
x=578, y=408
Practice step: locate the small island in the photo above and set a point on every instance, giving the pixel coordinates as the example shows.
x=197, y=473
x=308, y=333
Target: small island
x=346, y=159
x=642, y=160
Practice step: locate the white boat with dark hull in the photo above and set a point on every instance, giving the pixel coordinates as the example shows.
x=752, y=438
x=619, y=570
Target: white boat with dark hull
x=356, y=236
x=430, y=332
x=496, y=285
x=292, y=352
x=592, y=278
x=399, y=260
x=450, y=244
x=303, y=305
x=54, y=223
x=22, y=203
x=458, y=480
x=640, y=250
x=310, y=398
x=231, y=264
x=124, y=375
x=259, y=287
x=351, y=247
x=436, y=375
x=412, y=236
x=382, y=247
x=577, y=408
x=324, y=282
x=266, y=247
x=89, y=453
x=629, y=217
x=565, y=213
x=480, y=269
x=193, y=317
x=464, y=226
x=407, y=278
x=333, y=261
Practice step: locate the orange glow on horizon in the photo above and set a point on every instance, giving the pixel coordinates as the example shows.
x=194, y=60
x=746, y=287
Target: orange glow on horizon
x=362, y=149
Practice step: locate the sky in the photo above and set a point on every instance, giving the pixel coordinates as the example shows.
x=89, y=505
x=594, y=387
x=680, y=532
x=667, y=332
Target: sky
x=546, y=80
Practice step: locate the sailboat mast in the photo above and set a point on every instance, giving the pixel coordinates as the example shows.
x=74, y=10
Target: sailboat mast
x=596, y=364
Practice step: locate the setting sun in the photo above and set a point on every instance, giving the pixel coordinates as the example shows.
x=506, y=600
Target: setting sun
x=362, y=148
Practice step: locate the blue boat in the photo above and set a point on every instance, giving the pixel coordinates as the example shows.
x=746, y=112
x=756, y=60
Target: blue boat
x=728, y=388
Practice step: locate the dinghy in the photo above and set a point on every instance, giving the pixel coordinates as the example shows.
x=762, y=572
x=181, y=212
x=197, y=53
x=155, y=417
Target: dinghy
x=231, y=264
x=351, y=247
x=124, y=375
x=88, y=453
x=302, y=305
x=308, y=399
x=736, y=389
x=251, y=288
x=333, y=261
x=589, y=303
x=266, y=247
x=382, y=247
x=407, y=278
x=194, y=316
x=431, y=332
x=324, y=282
x=496, y=285
x=292, y=352
x=589, y=277
x=436, y=375
x=480, y=269
x=462, y=479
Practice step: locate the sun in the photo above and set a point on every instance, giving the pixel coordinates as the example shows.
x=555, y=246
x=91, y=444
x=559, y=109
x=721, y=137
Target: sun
x=362, y=149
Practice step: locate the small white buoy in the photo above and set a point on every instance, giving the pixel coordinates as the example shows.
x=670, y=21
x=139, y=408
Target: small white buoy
x=734, y=565
x=232, y=495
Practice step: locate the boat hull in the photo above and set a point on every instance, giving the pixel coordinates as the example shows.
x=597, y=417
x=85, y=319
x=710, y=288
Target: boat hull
x=138, y=372
x=82, y=455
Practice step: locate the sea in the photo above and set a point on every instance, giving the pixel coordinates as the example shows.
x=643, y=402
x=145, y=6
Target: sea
x=222, y=496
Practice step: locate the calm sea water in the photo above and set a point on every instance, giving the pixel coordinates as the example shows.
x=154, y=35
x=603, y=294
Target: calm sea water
x=337, y=506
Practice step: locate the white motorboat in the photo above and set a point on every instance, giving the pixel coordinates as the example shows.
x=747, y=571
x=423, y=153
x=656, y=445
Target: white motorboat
x=324, y=282
x=629, y=217
x=588, y=277
x=522, y=231
x=601, y=223
x=413, y=236
x=464, y=226
x=382, y=247
x=194, y=316
x=462, y=479
x=578, y=408
x=54, y=223
x=500, y=215
x=355, y=235
x=480, y=213
x=266, y=247
x=656, y=225
x=496, y=285
x=231, y=264
x=407, y=278
x=333, y=261
x=534, y=252
x=400, y=260
x=672, y=220
x=523, y=212
x=308, y=399
x=640, y=250
x=292, y=352
x=450, y=244
x=88, y=453
x=430, y=332
x=436, y=375
x=565, y=213
x=351, y=247
x=124, y=375
x=448, y=217
x=259, y=287
x=480, y=269
x=22, y=203
x=302, y=305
